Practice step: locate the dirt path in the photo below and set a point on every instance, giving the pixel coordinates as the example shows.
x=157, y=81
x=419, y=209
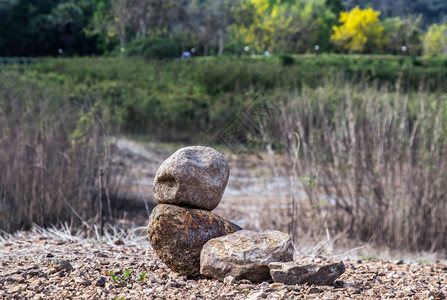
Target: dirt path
x=58, y=265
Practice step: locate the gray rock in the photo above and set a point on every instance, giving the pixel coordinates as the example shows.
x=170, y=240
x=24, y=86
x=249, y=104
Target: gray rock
x=291, y=273
x=229, y=280
x=193, y=176
x=245, y=255
x=177, y=235
x=59, y=265
x=101, y=282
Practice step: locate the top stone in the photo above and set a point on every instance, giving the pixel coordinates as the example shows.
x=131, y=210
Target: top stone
x=193, y=176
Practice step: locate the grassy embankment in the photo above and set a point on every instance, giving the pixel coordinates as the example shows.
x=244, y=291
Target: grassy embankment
x=372, y=134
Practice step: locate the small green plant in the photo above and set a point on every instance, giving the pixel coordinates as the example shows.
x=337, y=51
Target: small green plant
x=125, y=278
x=422, y=261
x=142, y=277
x=121, y=279
x=368, y=257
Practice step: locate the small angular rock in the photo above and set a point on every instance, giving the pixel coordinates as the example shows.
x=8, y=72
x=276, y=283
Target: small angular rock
x=101, y=282
x=245, y=255
x=229, y=280
x=178, y=234
x=193, y=176
x=59, y=265
x=291, y=273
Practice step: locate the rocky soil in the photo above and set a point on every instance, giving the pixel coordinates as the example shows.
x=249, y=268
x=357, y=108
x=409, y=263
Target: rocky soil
x=59, y=265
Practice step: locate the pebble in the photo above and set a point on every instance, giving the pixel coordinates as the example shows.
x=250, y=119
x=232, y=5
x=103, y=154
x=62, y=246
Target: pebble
x=258, y=295
x=16, y=289
x=83, y=281
x=118, y=242
x=314, y=290
x=101, y=282
x=34, y=273
x=175, y=284
x=229, y=280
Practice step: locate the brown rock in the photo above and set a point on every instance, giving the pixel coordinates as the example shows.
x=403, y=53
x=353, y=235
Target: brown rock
x=291, y=273
x=193, y=176
x=59, y=265
x=178, y=234
x=245, y=255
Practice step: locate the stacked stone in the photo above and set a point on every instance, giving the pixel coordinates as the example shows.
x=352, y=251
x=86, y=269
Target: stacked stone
x=191, y=240
x=188, y=186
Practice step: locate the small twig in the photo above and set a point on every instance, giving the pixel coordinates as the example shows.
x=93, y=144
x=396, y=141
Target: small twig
x=75, y=213
x=349, y=251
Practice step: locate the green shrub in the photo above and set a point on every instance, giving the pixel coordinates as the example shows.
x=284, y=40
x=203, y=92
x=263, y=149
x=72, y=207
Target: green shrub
x=287, y=60
x=153, y=48
x=183, y=96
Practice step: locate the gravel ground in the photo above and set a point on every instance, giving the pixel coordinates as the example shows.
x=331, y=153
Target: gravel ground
x=54, y=264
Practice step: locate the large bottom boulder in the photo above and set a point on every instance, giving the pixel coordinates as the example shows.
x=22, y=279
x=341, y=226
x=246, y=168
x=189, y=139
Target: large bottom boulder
x=245, y=255
x=177, y=235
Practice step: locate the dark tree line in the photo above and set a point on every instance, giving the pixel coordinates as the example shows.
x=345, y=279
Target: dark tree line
x=42, y=27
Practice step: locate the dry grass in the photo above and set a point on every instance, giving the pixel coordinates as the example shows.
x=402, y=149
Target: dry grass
x=53, y=162
x=373, y=164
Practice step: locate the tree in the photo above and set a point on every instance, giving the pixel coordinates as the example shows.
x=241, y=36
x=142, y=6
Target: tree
x=307, y=23
x=123, y=20
x=42, y=27
x=259, y=31
x=435, y=40
x=398, y=33
x=360, y=30
x=336, y=6
x=210, y=21
x=288, y=26
x=102, y=25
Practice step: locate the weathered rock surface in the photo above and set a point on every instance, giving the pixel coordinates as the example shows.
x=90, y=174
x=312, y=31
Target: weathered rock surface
x=178, y=234
x=245, y=254
x=291, y=273
x=193, y=176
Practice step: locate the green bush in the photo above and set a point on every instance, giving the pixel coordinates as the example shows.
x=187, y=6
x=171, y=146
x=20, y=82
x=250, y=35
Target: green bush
x=153, y=48
x=182, y=97
x=287, y=60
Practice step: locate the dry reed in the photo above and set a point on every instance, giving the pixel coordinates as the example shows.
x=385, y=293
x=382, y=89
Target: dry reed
x=373, y=163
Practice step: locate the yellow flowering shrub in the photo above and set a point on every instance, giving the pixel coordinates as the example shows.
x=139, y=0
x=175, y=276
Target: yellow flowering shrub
x=435, y=40
x=360, y=30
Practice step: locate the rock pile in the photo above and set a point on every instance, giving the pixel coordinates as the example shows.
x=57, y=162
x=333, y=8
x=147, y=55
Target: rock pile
x=191, y=240
x=188, y=185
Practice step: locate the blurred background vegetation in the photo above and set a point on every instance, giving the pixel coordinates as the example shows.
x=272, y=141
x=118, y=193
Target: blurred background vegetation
x=86, y=27
x=361, y=86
